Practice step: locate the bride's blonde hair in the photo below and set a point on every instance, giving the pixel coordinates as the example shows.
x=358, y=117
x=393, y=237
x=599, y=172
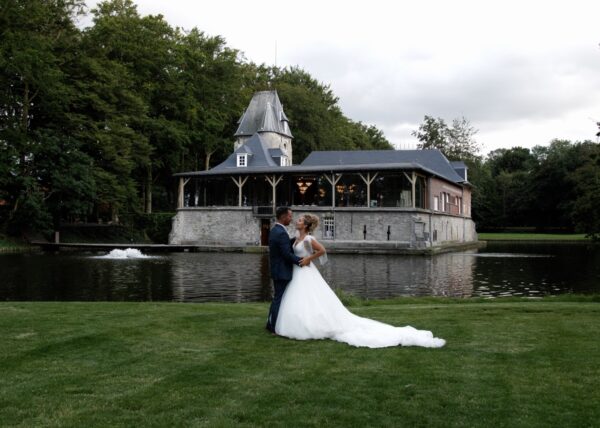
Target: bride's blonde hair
x=311, y=222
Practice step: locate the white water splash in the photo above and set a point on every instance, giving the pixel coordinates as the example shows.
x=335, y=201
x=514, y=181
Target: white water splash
x=128, y=253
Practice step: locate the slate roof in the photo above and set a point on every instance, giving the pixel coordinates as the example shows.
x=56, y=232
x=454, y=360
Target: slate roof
x=460, y=167
x=259, y=156
x=231, y=169
x=264, y=114
x=432, y=160
x=244, y=149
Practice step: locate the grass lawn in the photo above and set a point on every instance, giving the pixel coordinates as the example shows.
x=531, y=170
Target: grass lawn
x=507, y=364
x=532, y=237
x=9, y=244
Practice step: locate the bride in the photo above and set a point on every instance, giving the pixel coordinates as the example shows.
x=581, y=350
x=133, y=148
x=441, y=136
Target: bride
x=311, y=310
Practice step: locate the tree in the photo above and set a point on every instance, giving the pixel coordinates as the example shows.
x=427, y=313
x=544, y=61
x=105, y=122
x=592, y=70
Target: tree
x=506, y=189
x=586, y=179
x=94, y=122
x=511, y=160
x=212, y=79
x=37, y=50
x=456, y=142
x=111, y=111
x=551, y=183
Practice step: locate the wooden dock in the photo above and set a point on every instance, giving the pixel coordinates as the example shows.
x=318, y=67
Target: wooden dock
x=53, y=246
x=333, y=247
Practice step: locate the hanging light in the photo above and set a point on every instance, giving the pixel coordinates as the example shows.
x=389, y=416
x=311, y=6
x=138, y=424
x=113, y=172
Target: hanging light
x=303, y=186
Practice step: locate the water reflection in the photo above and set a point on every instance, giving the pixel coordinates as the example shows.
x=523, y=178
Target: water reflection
x=245, y=277
x=391, y=276
x=500, y=270
x=202, y=277
x=83, y=277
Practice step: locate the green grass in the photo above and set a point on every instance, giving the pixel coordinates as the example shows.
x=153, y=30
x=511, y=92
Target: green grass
x=506, y=364
x=11, y=244
x=532, y=237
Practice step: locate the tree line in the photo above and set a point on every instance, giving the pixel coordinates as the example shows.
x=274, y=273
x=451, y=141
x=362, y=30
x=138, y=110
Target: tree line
x=94, y=121
x=546, y=188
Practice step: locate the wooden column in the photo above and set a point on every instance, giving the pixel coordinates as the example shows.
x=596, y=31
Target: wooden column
x=413, y=180
x=368, y=182
x=239, y=182
x=414, y=188
x=180, y=199
x=333, y=180
x=274, y=181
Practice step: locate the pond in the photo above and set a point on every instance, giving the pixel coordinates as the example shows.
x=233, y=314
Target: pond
x=501, y=269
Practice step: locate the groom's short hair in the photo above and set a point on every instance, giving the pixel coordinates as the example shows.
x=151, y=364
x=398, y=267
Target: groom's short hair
x=281, y=211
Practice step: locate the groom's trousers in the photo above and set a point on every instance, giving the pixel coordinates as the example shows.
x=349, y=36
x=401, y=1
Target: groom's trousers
x=279, y=288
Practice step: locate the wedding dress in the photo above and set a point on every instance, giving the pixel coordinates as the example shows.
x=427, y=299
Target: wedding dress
x=311, y=310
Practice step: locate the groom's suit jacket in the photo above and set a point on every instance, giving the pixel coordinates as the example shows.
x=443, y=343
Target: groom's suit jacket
x=281, y=254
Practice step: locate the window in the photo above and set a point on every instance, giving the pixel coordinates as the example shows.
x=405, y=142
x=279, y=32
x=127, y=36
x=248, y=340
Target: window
x=328, y=227
x=283, y=161
x=436, y=203
x=420, y=192
x=242, y=160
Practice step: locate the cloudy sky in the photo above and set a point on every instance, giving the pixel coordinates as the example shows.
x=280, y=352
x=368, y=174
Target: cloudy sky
x=523, y=72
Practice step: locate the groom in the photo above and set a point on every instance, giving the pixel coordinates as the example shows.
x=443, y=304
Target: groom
x=281, y=259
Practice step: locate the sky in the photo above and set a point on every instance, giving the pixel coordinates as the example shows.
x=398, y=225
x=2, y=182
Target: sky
x=522, y=72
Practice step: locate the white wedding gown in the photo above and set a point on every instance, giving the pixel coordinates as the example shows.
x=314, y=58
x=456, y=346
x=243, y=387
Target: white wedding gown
x=311, y=310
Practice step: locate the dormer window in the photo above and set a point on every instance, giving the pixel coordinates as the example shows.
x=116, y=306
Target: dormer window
x=242, y=160
x=283, y=161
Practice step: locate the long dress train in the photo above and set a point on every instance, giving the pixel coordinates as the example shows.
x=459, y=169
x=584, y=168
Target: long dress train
x=311, y=310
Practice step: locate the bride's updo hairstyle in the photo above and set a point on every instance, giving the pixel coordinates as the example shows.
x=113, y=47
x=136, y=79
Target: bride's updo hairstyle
x=311, y=222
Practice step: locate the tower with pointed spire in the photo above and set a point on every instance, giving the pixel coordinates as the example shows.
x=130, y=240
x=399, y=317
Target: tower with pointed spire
x=265, y=117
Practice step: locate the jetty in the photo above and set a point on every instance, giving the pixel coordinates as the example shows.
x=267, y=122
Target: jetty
x=336, y=247
x=55, y=246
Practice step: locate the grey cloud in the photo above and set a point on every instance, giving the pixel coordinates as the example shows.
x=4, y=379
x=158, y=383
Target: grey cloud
x=496, y=89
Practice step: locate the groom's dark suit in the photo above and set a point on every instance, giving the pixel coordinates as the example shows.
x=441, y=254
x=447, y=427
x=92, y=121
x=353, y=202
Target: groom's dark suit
x=282, y=260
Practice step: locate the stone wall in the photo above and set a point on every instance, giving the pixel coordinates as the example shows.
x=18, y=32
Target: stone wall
x=441, y=228
x=415, y=228
x=215, y=226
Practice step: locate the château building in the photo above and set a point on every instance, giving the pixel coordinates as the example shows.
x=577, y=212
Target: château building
x=403, y=199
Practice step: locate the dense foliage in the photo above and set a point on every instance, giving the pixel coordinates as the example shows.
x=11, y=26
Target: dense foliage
x=95, y=121
x=554, y=187
x=547, y=188
x=457, y=141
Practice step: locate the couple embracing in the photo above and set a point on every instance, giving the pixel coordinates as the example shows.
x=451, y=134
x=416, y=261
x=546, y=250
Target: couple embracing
x=305, y=307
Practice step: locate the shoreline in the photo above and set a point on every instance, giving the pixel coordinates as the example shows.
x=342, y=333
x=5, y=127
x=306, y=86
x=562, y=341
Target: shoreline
x=333, y=247
x=536, y=237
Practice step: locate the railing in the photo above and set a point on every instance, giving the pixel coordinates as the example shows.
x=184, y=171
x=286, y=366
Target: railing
x=263, y=211
x=452, y=208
